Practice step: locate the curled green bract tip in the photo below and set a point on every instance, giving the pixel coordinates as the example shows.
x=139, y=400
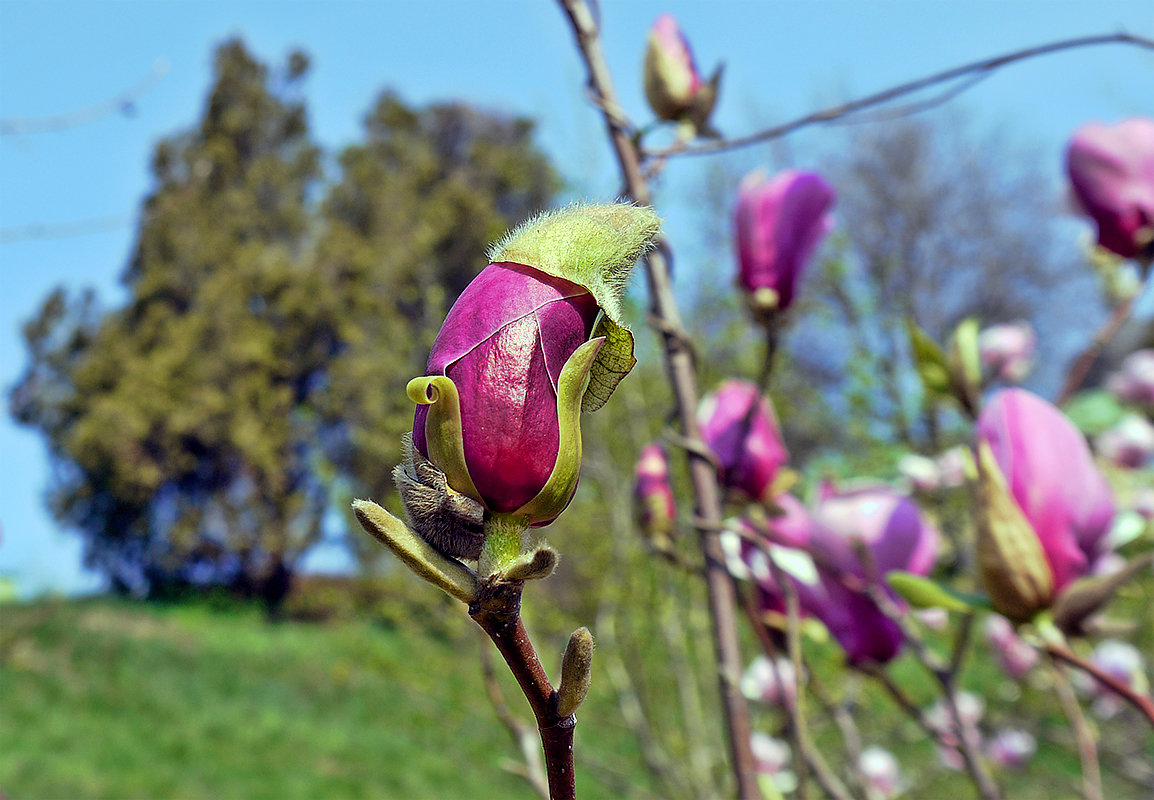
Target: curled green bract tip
x=443, y=431
x=558, y=490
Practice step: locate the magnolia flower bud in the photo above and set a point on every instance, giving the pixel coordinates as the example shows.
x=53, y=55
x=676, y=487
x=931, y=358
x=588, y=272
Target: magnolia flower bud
x=1007, y=351
x=1134, y=380
x=779, y=223
x=739, y=426
x=1045, y=507
x=1014, y=655
x=1128, y=444
x=673, y=86
x=1111, y=169
x=656, y=512
x=523, y=351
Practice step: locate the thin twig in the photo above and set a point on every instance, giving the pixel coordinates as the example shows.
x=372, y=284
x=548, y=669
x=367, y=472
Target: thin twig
x=1087, y=749
x=122, y=103
x=1085, y=360
x=679, y=362
x=533, y=770
x=497, y=610
x=833, y=113
x=1140, y=701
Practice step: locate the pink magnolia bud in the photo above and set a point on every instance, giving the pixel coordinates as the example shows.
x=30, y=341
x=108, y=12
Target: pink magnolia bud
x=1011, y=748
x=882, y=775
x=739, y=426
x=1111, y=169
x=770, y=681
x=1052, y=479
x=1013, y=654
x=654, y=494
x=1134, y=380
x=1128, y=444
x=673, y=86
x=503, y=344
x=1007, y=351
x=779, y=223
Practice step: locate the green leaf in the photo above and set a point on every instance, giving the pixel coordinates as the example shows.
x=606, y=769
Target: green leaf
x=612, y=364
x=930, y=360
x=1094, y=411
x=922, y=592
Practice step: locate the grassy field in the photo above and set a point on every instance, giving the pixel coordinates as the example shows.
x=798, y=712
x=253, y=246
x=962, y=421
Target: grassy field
x=110, y=699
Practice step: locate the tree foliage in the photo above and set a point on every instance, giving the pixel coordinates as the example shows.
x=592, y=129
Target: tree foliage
x=256, y=373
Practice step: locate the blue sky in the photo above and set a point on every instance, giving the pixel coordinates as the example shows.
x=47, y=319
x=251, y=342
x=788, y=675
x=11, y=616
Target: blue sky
x=783, y=59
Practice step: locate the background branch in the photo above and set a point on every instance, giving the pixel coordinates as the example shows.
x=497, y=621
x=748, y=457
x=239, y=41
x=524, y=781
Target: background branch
x=837, y=112
x=679, y=362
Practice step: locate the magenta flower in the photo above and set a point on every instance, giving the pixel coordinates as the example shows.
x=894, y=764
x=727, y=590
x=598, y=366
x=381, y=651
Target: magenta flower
x=1134, y=380
x=1007, y=350
x=673, y=86
x=1111, y=169
x=827, y=569
x=1052, y=478
x=739, y=426
x=503, y=344
x=779, y=223
x=654, y=493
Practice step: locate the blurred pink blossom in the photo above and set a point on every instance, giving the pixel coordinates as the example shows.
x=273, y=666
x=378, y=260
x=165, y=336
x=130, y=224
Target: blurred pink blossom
x=1128, y=444
x=1053, y=479
x=1014, y=655
x=1120, y=660
x=779, y=223
x=653, y=492
x=770, y=681
x=1011, y=748
x=1111, y=170
x=1007, y=350
x=882, y=775
x=739, y=427
x=1134, y=380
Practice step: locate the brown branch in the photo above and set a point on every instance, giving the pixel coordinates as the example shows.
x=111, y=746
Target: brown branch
x=497, y=610
x=1140, y=701
x=1085, y=360
x=1087, y=749
x=679, y=362
x=833, y=113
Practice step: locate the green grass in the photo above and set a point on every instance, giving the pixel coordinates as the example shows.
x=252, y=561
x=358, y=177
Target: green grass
x=107, y=699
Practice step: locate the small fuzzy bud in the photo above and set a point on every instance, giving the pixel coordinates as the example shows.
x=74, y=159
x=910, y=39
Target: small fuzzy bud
x=576, y=672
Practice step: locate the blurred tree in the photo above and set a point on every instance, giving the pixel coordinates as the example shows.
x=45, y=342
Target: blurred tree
x=182, y=451
x=256, y=374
